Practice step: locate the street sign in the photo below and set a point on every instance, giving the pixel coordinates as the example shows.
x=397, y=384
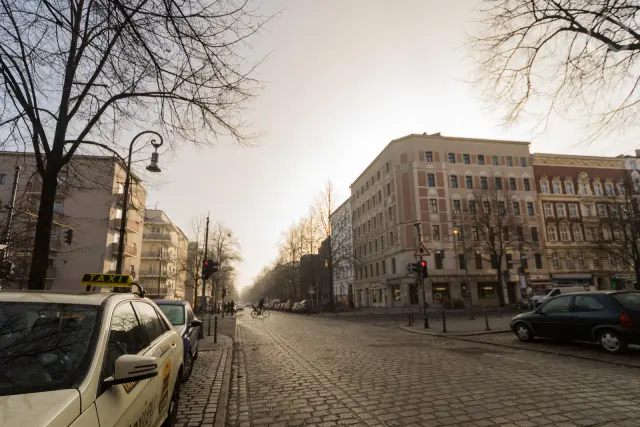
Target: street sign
x=421, y=250
x=111, y=280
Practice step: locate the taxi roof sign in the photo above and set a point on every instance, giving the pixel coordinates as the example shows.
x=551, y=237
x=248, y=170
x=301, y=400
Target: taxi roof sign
x=111, y=280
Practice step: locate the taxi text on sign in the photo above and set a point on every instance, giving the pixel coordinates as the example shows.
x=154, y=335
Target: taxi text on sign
x=97, y=279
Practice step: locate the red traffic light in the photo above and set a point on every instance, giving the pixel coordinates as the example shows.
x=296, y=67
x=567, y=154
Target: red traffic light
x=423, y=263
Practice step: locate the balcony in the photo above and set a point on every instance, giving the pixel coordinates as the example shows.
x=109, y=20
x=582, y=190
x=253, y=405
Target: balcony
x=148, y=274
x=129, y=250
x=124, y=271
x=131, y=225
x=159, y=237
x=166, y=255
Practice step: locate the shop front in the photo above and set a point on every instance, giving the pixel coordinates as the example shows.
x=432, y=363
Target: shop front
x=404, y=292
x=379, y=295
x=625, y=282
x=572, y=279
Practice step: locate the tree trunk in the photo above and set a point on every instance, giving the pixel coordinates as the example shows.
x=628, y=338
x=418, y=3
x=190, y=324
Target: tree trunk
x=40, y=257
x=500, y=289
x=637, y=286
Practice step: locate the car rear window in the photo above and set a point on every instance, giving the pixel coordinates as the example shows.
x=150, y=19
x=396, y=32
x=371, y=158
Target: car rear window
x=628, y=300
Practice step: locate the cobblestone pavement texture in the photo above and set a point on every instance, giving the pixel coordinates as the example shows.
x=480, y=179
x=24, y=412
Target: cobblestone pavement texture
x=292, y=370
x=200, y=395
x=456, y=326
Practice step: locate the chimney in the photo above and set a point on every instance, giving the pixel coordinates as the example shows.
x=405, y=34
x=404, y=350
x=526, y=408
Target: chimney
x=637, y=153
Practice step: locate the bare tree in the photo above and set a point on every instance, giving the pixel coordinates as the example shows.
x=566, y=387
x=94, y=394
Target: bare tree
x=618, y=233
x=225, y=249
x=82, y=70
x=191, y=264
x=570, y=54
x=496, y=227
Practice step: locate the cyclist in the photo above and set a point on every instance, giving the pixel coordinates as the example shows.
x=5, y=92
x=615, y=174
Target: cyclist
x=260, y=305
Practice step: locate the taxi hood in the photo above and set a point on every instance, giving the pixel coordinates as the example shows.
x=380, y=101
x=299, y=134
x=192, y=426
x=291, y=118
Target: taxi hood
x=50, y=408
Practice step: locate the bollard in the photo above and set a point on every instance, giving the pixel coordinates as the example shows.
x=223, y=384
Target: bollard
x=215, y=330
x=410, y=319
x=426, y=320
x=209, y=328
x=444, y=321
x=486, y=320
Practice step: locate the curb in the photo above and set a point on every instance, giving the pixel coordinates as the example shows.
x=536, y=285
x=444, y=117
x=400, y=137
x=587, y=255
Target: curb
x=515, y=347
x=221, y=412
x=440, y=334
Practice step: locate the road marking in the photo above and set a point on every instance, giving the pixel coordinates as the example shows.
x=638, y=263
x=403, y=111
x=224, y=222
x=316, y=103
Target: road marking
x=513, y=359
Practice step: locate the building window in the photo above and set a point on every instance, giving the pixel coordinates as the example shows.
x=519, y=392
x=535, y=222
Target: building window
x=568, y=187
x=527, y=184
x=486, y=206
x=587, y=210
x=565, y=236
x=602, y=211
x=435, y=232
x=530, y=210
x=548, y=210
x=433, y=205
x=502, y=210
x=556, y=187
x=57, y=207
x=577, y=233
x=573, y=210
x=484, y=184
x=466, y=159
x=478, y=262
x=390, y=213
x=608, y=188
x=481, y=159
x=555, y=261
x=428, y=156
x=512, y=184
x=438, y=258
x=621, y=191
x=377, y=269
x=538, y=259
x=523, y=162
x=580, y=259
x=452, y=157
x=472, y=206
x=456, y=206
x=382, y=243
x=561, y=210
x=516, y=208
x=375, y=244
x=552, y=234
x=474, y=233
x=468, y=182
x=386, y=167
x=544, y=187
x=388, y=189
x=509, y=161
x=495, y=160
x=118, y=213
x=454, y=181
x=534, y=234
x=498, y=182
x=584, y=189
x=461, y=261
x=597, y=189
x=384, y=267
x=393, y=266
x=431, y=180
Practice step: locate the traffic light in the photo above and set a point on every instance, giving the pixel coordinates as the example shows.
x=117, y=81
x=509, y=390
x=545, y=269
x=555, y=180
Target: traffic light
x=209, y=267
x=423, y=268
x=614, y=283
x=68, y=236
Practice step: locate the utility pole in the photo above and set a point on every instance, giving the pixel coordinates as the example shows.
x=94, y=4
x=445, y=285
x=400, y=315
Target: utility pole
x=206, y=249
x=160, y=269
x=418, y=227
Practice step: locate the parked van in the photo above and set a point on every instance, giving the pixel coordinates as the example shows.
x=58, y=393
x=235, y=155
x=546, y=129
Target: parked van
x=537, y=300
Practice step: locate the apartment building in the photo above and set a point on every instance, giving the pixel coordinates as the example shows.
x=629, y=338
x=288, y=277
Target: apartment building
x=434, y=181
x=342, y=253
x=577, y=196
x=89, y=201
x=164, y=256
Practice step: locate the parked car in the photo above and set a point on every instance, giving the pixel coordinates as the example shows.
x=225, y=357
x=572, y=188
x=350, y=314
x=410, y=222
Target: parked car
x=539, y=299
x=609, y=318
x=183, y=319
x=306, y=306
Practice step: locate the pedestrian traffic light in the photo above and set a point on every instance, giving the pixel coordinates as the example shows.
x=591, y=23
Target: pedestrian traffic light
x=423, y=268
x=68, y=236
x=614, y=284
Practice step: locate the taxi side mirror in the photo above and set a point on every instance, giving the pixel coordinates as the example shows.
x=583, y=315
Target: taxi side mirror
x=132, y=368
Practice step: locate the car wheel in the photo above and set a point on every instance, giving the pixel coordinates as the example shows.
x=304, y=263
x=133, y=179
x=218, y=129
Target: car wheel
x=188, y=367
x=172, y=412
x=523, y=332
x=612, y=342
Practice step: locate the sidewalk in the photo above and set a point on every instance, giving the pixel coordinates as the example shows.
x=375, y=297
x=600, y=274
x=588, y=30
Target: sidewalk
x=432, y=311
x=457, y=326
x=203, y=398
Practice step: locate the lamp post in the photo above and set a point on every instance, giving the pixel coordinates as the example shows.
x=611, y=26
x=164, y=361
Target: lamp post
x=153, y=167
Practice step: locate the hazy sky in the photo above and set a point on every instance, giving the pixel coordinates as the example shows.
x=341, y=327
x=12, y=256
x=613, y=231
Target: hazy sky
x=341, y=80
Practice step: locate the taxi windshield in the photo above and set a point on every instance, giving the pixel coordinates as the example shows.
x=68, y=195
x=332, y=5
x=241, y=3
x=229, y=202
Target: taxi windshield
x=45, y=346
x=175, y=313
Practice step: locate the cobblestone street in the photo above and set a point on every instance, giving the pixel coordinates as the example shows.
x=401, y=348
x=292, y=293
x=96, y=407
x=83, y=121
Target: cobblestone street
x=292, y=370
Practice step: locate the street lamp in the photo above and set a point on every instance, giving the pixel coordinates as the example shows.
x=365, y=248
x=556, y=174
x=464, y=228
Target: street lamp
x=153, y=167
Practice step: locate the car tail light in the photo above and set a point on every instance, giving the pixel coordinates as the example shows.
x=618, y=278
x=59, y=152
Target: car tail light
x=626, y=321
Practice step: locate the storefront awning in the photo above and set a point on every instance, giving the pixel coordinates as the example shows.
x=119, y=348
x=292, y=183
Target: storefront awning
x=558, y=277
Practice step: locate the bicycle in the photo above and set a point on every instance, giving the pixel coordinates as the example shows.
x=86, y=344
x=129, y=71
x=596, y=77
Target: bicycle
x=255, y=313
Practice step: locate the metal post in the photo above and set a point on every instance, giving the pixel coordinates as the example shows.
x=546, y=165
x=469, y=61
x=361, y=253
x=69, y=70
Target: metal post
x=215, y=329
x=466, y=274
x=421, y=278
x=410, y=320
x=444, y=321
x=486, y=320
x=159, y=269
x=209, y=328
x=206, y=249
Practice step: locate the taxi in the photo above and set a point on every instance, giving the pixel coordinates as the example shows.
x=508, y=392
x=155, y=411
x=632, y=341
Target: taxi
x=96, y=359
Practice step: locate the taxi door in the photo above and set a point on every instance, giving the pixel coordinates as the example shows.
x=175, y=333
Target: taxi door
x=163, y=346
x=115, y=404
